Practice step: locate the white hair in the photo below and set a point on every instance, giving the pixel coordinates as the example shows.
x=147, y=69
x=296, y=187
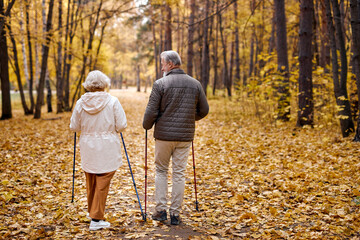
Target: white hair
x=96, y=80
x=171, y=56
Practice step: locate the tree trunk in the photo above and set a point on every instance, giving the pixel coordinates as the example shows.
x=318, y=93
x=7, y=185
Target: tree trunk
x=99, y=46
x=231, y=67
x=283, y=64
x=226, y=79
x=306, y=102
x=138, y=77
x=156, y=52
x=205, y=60
x=59, y=75
x=355, y=27
x=191, y=29
x=346, y=123
x=23, y=47
x=49, y=94
x=324, y=36
x=272, y=40
x=67, y=66
x=4, y=68
x=168, y=35
x=46, y=46
x=251, y=57
x=216, y=51
x=31, y=81
x=237, y=52
x=17, y=72
x=316, y=34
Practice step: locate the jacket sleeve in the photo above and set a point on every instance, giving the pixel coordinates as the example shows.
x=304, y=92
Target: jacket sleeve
x=202, y=107
x=75, y=120
x=120, y=117
x=153, y=107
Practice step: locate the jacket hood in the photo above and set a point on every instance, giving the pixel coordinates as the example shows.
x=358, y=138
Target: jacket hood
x=94, y=102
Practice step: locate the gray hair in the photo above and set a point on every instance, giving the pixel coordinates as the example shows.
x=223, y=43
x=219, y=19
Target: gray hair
x=171, y=56
x=96, y=80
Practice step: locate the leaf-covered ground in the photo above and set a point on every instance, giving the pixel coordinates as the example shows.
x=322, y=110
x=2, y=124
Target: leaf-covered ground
x=256, y=180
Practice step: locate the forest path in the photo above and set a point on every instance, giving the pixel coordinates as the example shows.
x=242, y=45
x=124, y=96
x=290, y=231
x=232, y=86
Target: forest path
x=257, y=179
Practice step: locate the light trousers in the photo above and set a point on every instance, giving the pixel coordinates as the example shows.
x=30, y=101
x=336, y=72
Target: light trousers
x=97, y=188
x=179, y=151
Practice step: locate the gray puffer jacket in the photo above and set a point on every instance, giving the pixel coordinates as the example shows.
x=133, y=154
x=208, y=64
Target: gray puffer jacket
x=176, y=102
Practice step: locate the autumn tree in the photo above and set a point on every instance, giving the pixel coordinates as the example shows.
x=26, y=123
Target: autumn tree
x=17, y=70
x=4, y=69
x=46, y=46
x=191, y=29
x=306, y=102
x=283, y=63
x=355, y=27
x=205, y=59
x=341, y=96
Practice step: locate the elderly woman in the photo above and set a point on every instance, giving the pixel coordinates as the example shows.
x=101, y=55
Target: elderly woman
x=99, y=116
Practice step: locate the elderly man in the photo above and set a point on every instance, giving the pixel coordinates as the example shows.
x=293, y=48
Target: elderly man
x=176, y=102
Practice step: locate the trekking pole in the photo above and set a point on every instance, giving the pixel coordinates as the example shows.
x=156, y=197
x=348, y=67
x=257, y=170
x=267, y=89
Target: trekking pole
x=127, y=157
x=196, y=201
x=145, y=170
x=72, y=197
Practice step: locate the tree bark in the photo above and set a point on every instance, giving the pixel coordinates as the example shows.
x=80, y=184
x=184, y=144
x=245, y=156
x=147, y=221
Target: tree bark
x=23, y=48
x=283, y=63
x=355, y=27
x=168, y=35
x=324, y=36
x=49, y=93
x=205, y=60
x=156, y=52
x=138, y=78
x=99, y=45
x=237, y=52
x=191, y=29
x=4, y=67
x=17, y=72
x=306, y=102
x=346, y=123
x=31, y=77
x=226, y=79
x=216, y=59
x=46, y=47
x=59, y=78
x=251, y=57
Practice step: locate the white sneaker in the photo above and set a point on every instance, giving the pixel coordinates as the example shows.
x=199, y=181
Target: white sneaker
x=88, y=216
x=99, y=225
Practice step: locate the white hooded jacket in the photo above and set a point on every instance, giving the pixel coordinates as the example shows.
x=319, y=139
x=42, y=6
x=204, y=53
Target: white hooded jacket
x=99, y=116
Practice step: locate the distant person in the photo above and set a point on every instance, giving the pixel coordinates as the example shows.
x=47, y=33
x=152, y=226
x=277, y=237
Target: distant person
x=176, y=102
x=99, y=116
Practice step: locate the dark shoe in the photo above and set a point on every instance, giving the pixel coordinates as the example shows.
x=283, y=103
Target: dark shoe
x=160, y=216
x=175, y=220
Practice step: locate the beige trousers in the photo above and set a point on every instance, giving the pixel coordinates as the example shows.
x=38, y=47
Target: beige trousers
x=179, y=151
x=97, y=188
